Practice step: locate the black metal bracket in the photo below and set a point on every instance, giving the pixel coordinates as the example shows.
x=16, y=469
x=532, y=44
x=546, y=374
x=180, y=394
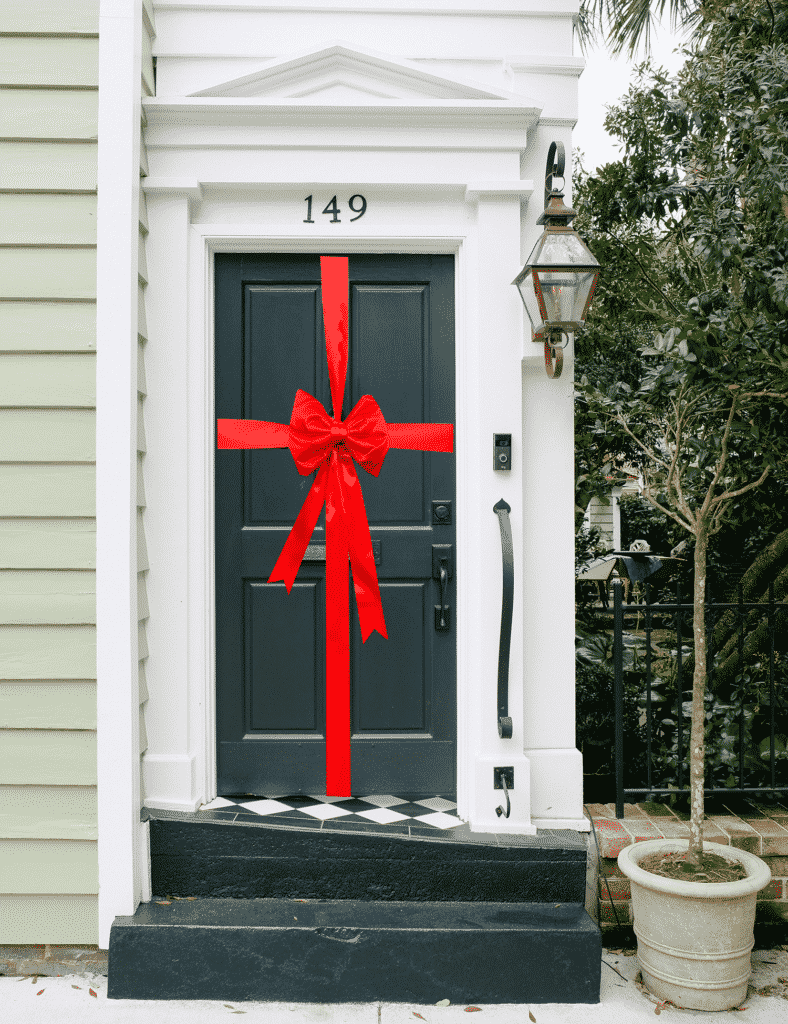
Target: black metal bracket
x=502, y=510
x=503, y=778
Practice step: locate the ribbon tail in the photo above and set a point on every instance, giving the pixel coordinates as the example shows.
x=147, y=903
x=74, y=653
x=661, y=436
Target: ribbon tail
x=362, y=559
x=337, y=640
x=292, y=553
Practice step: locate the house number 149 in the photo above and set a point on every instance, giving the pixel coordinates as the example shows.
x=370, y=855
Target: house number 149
x=357, y=204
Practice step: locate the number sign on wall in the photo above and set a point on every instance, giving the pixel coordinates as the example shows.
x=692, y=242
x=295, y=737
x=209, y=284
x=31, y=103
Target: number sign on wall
x=357, y=204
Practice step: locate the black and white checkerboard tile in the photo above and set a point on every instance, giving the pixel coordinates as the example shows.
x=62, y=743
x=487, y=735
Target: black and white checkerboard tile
x=434, y=812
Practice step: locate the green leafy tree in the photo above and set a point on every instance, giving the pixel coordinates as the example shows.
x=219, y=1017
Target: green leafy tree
x=691, y=229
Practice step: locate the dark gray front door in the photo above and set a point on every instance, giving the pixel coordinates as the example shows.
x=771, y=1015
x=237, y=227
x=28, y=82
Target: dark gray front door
x=270, y=645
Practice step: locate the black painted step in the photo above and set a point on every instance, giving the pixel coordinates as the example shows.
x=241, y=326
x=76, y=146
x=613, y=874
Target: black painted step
x=191, y=858
x=341, y=951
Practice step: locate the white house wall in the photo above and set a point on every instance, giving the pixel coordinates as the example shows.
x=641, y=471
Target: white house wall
x=439, y=175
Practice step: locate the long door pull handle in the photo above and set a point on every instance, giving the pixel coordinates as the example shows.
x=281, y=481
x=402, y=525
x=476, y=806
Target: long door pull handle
x=442, y=572
x=502, y=510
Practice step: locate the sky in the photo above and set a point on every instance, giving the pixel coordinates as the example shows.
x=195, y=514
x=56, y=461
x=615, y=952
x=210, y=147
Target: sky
x=604, y=81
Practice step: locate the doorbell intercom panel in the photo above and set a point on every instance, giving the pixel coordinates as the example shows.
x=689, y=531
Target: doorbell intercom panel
x=502, y=451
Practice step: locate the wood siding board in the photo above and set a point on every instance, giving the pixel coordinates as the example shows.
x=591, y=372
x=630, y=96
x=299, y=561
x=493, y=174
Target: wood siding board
x=49, y=865
x=48, y=435
x=48, y=381
x=142, y=323
x=48, y=652
x=142, y=640
x=148, y=18
x=143, y=213
x=143, y=611
x=29, y=60
x=48, y=166
x=142, y=547
x=78, y=17
x=47, y=489
x=63, y=920
x=48, y=812
x=140, y=483
x=42, y=757
x=143, y=733
x=142, y=263
x=48, y=704
x=42, y=115
x=48, y=544
x=47, y=219
x=148, y=81
x=47, y=326
x=47, y=597
x=39, y=273
x=141, y=447
x=144, y=695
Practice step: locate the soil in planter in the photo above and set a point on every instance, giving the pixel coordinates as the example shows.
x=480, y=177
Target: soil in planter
x=713, y=867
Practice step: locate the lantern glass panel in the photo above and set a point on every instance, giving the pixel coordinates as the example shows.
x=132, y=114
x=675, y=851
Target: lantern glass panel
x=564, y=248
x=531, y=303
x=565, y=294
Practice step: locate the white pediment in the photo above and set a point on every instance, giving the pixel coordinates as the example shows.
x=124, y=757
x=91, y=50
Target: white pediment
x=343, y=75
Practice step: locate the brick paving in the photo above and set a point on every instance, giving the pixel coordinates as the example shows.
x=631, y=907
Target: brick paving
x=748, y=825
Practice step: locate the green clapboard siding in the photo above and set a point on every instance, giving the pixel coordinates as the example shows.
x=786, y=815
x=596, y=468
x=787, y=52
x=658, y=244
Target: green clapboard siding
x=143, y=610
x=48, y=380
x=141, y=446
x=47, y=597
x=77, y=17
x=45, y=114
x=48, y=166
x=48, y=326
x=47, y=435
x=47, y=273
x=48, y=812
x=48, y=704
x=142, y=547
x=48, y=865
x=62, y=920
x=27, y=60
x=148, y=85
x=47, y=219
x=44, y=489
x=48, y=652
x=39, y=757
x=48, y=544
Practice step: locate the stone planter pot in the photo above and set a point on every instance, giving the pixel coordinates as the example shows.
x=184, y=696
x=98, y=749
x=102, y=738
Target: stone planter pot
x=694, y=938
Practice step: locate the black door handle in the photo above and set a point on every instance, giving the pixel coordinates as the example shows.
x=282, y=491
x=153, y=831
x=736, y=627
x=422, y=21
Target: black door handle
x=502, y=510
x=442, y=572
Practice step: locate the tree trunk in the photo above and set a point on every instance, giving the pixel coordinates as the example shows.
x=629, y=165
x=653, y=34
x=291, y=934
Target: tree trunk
x=697, y=737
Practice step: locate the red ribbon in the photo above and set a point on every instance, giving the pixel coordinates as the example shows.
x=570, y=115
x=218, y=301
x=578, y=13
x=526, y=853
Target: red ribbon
x=331, y=445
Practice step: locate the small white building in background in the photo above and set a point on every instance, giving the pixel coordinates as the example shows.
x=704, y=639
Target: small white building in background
x=231, y=126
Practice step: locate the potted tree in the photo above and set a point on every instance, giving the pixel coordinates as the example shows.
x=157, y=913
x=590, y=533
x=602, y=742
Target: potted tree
x=692, y=228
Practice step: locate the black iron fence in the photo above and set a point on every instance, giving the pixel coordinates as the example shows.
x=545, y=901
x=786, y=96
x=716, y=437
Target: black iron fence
x=746, y=696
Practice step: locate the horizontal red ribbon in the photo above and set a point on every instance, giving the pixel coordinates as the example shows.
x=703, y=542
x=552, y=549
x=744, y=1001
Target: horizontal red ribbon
x=331, y=445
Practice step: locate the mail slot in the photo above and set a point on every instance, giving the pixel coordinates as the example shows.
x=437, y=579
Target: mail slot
x=317, y=552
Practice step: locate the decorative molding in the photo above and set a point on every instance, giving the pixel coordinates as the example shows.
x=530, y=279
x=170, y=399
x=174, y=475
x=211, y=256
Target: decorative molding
x=498, y=190
x=544, y=64
x=367, y=75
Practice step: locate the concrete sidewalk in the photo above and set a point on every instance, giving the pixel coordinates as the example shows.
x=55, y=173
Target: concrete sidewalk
x=69, y=1000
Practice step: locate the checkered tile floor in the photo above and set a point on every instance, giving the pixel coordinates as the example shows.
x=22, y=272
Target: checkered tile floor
x=432, y=812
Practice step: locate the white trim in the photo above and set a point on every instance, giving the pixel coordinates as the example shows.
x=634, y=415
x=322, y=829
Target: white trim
x=117, y=670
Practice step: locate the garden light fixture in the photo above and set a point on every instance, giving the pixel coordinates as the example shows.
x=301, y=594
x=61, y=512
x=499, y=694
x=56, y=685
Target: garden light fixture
x=559, y=277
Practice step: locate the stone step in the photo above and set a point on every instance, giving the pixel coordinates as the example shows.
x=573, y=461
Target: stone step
x=340, y=951
x=190, y=858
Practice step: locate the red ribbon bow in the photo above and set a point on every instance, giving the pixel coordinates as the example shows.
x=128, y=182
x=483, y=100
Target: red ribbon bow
x=317, y=441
